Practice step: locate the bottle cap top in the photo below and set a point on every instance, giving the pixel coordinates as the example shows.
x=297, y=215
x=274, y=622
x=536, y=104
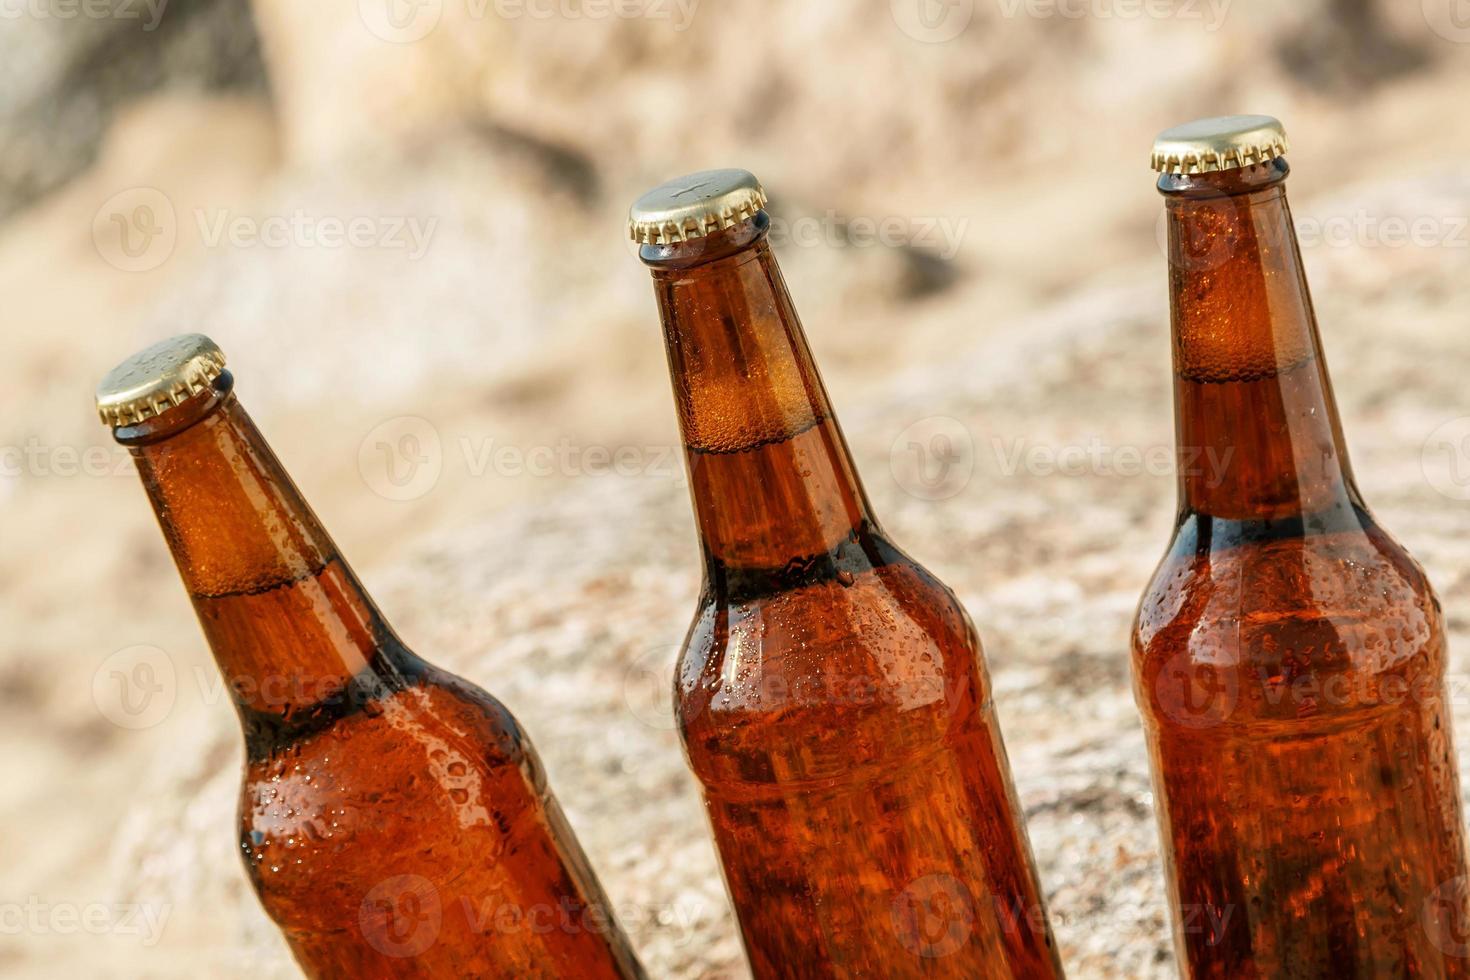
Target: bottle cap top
x=1220, y=143
x=695, y=205
x=157, y=378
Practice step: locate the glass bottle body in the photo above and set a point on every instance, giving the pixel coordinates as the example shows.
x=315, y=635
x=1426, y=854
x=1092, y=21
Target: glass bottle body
x=393, y=818
x=1289, y=655
x=831, y=693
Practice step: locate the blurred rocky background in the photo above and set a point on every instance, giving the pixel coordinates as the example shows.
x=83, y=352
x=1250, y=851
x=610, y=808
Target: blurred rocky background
x=403, y=220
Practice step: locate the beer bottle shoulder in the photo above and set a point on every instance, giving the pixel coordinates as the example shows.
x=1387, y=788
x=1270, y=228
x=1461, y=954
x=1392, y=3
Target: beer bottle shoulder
x=435, y=758
x=1286, y=621
x=867, y=663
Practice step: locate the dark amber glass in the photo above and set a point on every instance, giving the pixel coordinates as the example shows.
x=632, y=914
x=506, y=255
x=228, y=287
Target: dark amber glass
x=1289, y=655
x=393, y=818
x=831, y=692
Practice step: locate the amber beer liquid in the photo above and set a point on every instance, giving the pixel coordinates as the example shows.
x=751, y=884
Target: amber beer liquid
x=831, y=693
x=1289, y=655
x=393, y=818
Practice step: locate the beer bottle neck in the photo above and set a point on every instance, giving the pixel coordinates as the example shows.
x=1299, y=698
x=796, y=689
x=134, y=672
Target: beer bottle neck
x=288, y=622
x=1257, y=425
x=769, y=471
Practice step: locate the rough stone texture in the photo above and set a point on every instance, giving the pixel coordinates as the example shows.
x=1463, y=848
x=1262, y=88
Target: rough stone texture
x=67, y=67
x=527, y=323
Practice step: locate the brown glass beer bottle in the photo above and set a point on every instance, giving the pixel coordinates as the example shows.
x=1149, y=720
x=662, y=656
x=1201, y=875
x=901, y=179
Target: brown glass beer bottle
x=1289, y=655
x=394, y=819
x=831, y=693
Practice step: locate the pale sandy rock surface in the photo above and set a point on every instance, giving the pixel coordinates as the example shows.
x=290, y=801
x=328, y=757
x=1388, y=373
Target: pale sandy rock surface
x=65, y=75
x=526, y=323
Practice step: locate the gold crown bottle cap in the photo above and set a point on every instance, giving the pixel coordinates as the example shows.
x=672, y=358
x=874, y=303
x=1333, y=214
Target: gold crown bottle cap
x=695, y=205
x=1220, y=143
x=157, y=378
